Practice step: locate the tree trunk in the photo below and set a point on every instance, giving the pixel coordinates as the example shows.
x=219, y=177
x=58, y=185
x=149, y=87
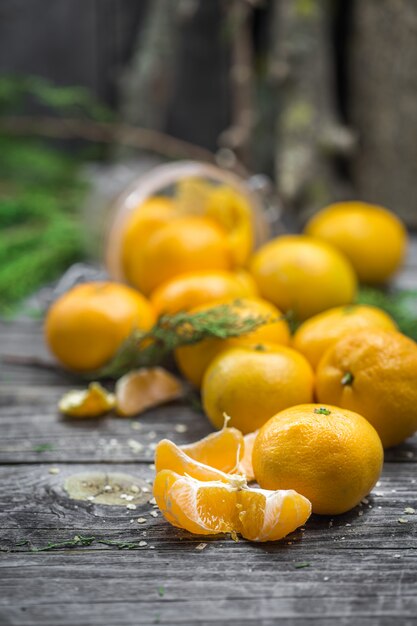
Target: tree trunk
x=309, y=132
x=384, y=103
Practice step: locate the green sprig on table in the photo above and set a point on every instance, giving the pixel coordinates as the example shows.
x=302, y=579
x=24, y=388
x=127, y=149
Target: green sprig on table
x=401, y=305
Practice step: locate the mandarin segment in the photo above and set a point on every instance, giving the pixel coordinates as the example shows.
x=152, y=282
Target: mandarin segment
x=143, y=389
x=271, y=515
x=202, y=508
x=91, y=402
x=209, y=508
x=168, y=456
x=222, y=450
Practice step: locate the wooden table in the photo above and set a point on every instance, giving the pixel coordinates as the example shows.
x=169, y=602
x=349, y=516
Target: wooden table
x=359, y=568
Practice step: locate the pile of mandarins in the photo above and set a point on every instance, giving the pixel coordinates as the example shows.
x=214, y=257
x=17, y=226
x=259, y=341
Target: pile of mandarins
x=310, y=412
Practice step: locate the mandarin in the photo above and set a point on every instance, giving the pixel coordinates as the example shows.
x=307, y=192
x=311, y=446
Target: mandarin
x=252, y=385
x=85, y=327
x=193, y=360
x=371, y=237
x=187, y=291
x=373, y=372
x=321, y=331
x=185, y=244
x=303, y=275
x=331, y=456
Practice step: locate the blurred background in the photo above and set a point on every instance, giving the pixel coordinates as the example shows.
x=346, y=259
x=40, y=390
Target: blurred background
x=318, y=95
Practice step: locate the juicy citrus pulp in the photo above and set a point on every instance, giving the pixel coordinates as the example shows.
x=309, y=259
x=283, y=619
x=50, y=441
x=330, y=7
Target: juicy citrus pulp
x=207, y=508
x=169, y=456
x=91, y=402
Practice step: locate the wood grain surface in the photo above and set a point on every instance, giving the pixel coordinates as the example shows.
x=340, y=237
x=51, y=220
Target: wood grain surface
x=356, y=569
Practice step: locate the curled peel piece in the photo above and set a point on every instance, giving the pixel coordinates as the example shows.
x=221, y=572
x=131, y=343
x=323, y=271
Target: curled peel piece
x=91, y=402
x=144, y=389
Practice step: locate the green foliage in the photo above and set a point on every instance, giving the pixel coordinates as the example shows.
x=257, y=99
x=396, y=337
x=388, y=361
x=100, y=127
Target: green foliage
x=40, y=192
x=40, y=232
x=70, y=100
x=145, y=349
x=400, y=305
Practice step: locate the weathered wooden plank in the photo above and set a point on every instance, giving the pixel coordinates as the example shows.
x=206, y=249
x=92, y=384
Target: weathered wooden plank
x=32, y=498
x=220, y=611
x=33, y=431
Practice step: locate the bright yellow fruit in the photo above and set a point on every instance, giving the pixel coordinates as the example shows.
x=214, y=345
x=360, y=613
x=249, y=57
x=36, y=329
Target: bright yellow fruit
x=373, y=239
x=92, y=402
x=233, y=212
x=251, y=385
x=373, y=372
x=187, y=291
x=147, y=218
x=330, y=455
x=193, y=360
x=185, y=244
x=320, y=332
x=303, y=275
x=85, y=327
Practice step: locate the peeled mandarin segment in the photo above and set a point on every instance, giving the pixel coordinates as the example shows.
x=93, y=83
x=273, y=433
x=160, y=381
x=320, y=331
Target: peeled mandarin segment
x=169, y=456
x=231, y=209
x=222, y=450
x=162, y=486
x=245, y=465
x=91, y=402
x=209, y=508
x=271, y=515
x=202, y=508
x=144, y=389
